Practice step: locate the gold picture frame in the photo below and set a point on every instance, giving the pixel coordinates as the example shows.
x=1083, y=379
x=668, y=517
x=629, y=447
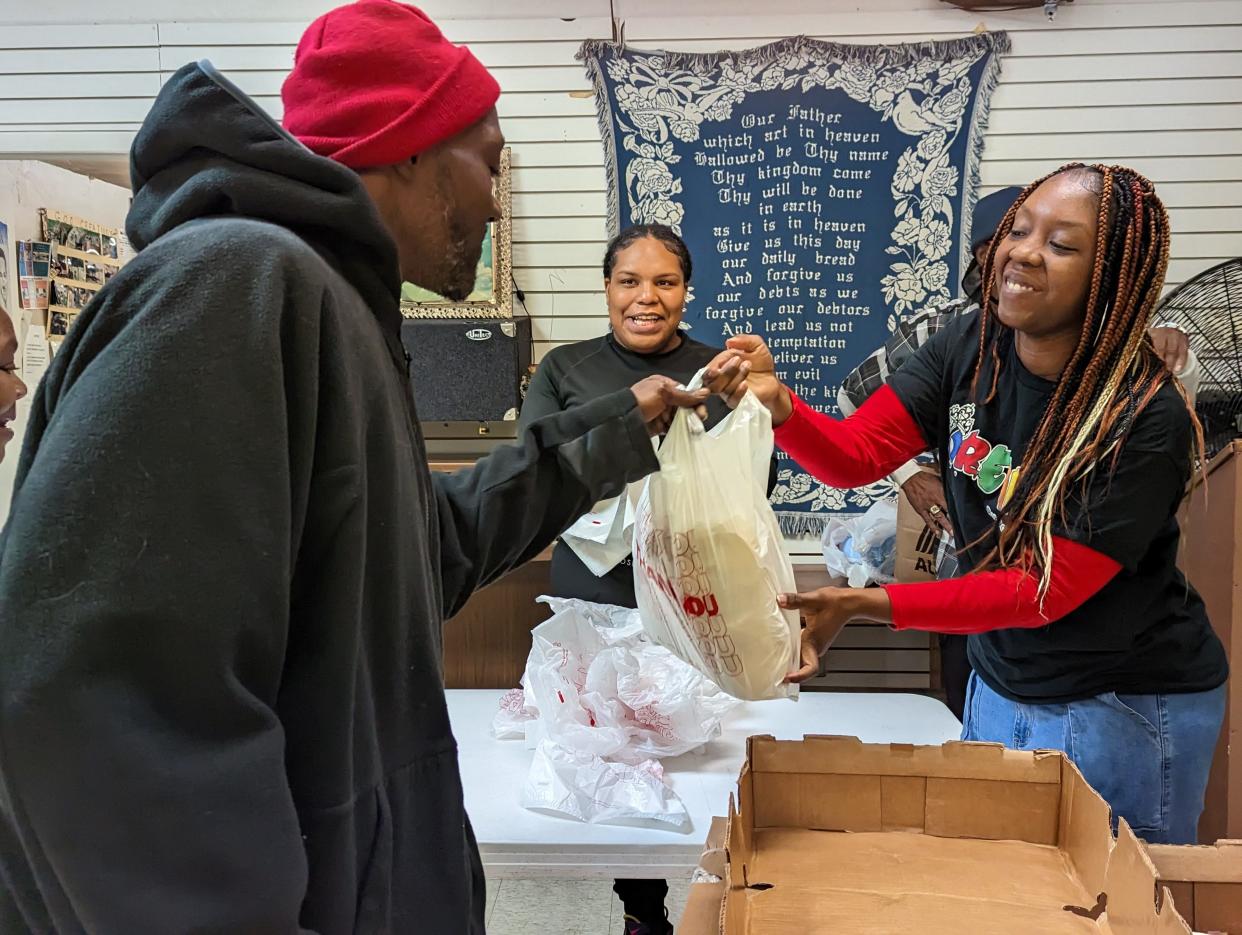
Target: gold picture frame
x=493, y=295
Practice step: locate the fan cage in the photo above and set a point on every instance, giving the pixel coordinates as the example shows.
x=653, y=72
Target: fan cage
x=1207, y=308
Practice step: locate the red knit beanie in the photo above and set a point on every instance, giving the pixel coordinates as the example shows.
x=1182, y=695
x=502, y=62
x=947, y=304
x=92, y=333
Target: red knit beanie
x=376, y=82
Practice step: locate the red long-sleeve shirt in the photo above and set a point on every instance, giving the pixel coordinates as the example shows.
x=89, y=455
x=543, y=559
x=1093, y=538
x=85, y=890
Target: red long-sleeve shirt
x=881, y=436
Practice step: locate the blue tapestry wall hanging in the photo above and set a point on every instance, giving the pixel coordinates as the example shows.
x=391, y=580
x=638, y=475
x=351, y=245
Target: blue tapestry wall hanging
x=824, y=190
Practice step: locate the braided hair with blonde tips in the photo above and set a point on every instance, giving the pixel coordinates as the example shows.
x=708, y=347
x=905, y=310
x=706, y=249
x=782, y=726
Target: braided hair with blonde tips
x=1111, y=376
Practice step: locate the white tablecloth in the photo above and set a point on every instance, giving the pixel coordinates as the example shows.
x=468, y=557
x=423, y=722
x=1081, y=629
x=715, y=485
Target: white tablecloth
x=517, y=842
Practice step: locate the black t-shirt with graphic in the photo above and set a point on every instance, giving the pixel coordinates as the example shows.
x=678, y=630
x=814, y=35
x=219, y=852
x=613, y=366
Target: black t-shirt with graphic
x=1146, y=631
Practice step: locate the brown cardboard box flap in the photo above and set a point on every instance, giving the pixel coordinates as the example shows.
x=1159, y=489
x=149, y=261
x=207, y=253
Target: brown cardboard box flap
x=1133, y=891
x=957, y=759
x=1214, y=863
x=834, y=835
x=701, y=915
x=1206, y=883
x=1084, y=832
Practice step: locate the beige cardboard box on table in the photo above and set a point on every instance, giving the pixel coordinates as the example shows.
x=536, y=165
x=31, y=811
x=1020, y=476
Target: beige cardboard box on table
x=831, y=835
x=917, y=547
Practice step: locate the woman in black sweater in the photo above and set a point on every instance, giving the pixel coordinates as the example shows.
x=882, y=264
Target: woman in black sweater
x=646, y=275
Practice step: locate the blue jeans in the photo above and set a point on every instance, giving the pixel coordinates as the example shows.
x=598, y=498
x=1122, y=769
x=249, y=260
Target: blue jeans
x=1147, y=755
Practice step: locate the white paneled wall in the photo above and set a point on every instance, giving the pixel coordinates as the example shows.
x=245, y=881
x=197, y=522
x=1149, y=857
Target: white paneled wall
x=1154, y=85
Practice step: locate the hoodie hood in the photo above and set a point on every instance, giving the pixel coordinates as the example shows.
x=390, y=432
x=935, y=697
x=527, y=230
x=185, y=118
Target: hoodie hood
x=207, y=150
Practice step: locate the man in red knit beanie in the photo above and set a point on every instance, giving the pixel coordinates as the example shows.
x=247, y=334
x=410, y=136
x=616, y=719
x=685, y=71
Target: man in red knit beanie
x=223, y=707
x=376, y=87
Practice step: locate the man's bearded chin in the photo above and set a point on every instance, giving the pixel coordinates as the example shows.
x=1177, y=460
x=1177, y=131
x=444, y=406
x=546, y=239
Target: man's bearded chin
x=462, y=260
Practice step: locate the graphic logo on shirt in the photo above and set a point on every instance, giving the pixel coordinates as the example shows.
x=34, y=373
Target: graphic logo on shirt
x=990, y=466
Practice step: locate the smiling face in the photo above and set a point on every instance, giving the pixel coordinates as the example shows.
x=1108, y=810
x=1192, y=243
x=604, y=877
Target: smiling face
x=646, y=296
x=1043, y=265
x=11, y=386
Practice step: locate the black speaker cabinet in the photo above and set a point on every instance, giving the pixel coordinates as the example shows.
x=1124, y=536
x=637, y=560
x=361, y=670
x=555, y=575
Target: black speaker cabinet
x=467, y=369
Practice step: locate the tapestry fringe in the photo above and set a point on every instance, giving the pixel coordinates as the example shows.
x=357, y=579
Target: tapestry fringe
x=592, y=54
x=802, y=525
x=904, y=53
x=982, y=110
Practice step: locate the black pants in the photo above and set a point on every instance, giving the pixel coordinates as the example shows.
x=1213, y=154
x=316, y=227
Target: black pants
x=644, y=900
x=954, y=672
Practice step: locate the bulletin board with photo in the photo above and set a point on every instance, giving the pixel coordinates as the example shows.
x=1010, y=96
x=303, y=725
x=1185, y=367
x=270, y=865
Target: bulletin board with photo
x=85, y=255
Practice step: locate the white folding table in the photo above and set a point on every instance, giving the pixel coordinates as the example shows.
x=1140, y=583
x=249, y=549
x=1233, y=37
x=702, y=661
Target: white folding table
x=517, y=842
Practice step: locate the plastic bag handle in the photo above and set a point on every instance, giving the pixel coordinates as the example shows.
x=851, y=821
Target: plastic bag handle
x=693, y=422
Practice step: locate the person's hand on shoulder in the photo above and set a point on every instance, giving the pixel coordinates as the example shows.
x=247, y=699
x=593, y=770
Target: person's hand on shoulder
x=1173, y=347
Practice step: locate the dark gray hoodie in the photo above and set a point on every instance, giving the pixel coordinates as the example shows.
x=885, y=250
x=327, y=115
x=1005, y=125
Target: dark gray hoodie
x=226, y=567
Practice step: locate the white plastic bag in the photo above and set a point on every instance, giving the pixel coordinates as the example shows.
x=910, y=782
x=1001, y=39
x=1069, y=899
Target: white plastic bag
x=600, y=704
x=599, y=686
x=589, y=788
x=709, y=560
x=562, y=651
x=514, y=714
x=667, y=707
x=600, y=538
x=863, y=549
x=604, y=536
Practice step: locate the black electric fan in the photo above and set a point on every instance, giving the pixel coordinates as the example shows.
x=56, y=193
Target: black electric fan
x=1209, y=308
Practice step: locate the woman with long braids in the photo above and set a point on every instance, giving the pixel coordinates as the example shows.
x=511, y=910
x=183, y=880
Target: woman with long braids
x=1068, y=446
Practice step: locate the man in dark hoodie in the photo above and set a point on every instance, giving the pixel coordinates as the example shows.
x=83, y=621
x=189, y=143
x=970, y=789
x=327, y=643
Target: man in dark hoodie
x=227, y=565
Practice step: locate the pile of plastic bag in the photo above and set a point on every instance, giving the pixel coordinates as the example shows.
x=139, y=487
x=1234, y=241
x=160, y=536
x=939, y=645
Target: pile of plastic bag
x=863, y=549
x=602, y=705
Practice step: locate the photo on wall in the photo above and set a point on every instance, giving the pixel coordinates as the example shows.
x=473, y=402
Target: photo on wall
x=67, y=295
x=93, y=243
x=68, y=267
x=5, y=299
x=59, y=325
x=34, y=260
x=64, y=234
x=35, y=292
x=34, y=269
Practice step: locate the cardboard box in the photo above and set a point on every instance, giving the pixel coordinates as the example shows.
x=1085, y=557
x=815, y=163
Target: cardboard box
x=1206, y=883
x=917, y=548
x=831, y=835
x=702, y=911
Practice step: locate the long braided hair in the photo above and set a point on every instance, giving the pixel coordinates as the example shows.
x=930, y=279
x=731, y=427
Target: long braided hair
x=1113, y=373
